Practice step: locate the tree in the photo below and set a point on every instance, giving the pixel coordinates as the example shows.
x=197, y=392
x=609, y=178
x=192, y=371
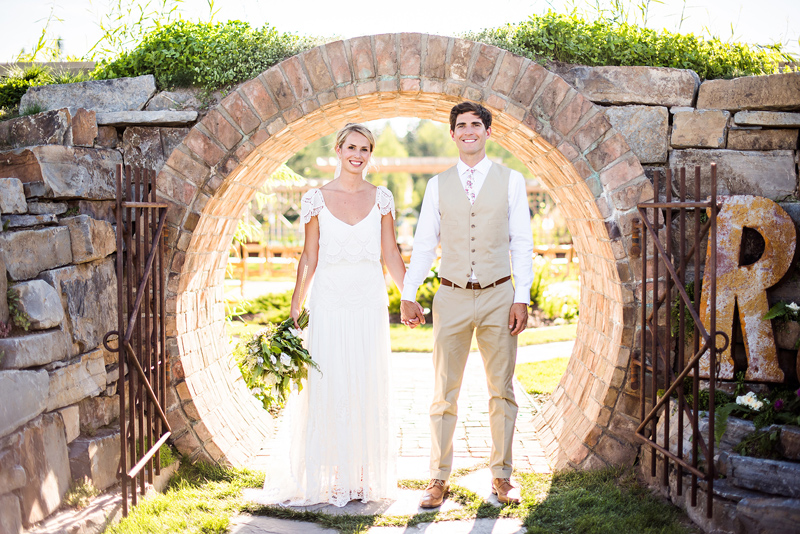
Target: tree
x=387, y=145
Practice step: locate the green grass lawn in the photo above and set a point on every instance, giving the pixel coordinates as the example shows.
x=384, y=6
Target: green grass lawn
x=541, y=378
x=420, y=339
x=203, y=498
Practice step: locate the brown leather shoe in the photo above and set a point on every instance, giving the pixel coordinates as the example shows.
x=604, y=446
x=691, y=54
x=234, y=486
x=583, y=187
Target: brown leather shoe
x=506, y=493
x=434, y=493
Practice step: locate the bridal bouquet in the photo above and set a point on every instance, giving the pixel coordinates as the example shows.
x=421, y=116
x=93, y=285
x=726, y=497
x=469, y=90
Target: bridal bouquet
x=273, y=362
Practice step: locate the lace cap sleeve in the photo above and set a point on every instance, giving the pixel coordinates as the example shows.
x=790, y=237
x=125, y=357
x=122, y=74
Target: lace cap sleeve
x=385, y=201
x=311, y=204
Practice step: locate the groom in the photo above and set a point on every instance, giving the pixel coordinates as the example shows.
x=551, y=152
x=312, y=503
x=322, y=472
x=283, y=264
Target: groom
x=478, y=211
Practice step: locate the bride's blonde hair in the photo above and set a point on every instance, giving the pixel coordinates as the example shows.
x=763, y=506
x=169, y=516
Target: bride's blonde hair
x=351, y=127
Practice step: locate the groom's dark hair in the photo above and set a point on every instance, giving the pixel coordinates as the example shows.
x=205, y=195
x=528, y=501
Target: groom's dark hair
x=466, y=107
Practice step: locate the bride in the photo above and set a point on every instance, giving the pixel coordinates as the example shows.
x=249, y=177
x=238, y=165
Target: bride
x=339, y=443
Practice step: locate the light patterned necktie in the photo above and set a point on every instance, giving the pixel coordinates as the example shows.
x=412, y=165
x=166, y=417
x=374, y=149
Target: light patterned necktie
x=470, y=187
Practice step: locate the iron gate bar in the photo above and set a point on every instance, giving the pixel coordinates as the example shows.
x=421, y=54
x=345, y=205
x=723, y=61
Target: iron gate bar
x=141, y=340
x=675, y=282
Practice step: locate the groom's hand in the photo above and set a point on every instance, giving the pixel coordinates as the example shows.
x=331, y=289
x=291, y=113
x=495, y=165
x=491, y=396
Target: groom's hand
x=518, y=318
x=411, y=313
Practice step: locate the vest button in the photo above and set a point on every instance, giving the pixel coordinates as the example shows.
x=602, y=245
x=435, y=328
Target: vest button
x=473, y=215
x=473, y=250
x=473, y=226
x=472, y=239
x=473, y=263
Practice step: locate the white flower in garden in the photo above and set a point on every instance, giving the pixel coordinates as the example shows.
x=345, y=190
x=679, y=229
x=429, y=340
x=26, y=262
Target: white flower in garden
x=750, y=400
x=794, y=307
x=285, y=359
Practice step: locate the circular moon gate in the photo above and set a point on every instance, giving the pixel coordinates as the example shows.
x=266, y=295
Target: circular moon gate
x=563, y=138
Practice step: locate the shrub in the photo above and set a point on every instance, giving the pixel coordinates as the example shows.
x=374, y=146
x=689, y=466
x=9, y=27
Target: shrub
x=13, y=87
x=572, y=39
x=561, y=300
x=203, y=54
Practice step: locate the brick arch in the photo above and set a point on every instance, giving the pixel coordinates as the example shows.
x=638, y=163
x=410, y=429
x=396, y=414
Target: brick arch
x=561, y=136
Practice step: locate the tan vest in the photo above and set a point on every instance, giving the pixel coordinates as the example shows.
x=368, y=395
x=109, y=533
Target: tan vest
x=474, y=237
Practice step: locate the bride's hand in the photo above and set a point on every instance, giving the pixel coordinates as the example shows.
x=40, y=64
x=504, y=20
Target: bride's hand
x=295, y=313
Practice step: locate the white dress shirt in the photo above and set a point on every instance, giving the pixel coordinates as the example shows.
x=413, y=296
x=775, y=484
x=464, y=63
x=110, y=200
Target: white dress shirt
x=520, y=238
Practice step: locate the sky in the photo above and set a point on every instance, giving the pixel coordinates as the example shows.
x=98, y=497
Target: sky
x=76, y=21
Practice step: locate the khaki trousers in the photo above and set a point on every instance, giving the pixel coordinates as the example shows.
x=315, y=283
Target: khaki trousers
x=456, y=314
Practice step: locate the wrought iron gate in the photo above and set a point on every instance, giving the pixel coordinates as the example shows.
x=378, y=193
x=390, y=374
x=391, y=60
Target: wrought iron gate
x=141, y=320
x=655, y=355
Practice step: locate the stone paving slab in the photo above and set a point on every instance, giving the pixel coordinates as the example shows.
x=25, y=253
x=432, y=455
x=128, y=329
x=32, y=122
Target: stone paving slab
x=270, y=525
x=405, y=503
x=474, y=526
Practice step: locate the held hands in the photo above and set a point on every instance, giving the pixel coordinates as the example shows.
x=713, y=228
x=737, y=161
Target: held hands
x=411, y=313
x=518, y=318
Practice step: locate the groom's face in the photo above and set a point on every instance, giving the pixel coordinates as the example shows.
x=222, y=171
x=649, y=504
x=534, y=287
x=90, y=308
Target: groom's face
x=470, y=134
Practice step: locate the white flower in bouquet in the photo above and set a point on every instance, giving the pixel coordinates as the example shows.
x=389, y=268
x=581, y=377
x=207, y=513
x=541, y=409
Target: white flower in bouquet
x=296, y=332
x=286, y=360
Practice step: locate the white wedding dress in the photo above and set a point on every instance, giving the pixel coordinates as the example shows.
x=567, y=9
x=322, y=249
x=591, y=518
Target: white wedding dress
x=337, y=442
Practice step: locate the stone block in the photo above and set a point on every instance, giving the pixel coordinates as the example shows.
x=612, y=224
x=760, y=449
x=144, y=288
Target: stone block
x=3, y=289
x=770, y=119
x=769, y=174
x=72, y=422
x=119, y=94
x=654, y=86
x=699, y=128
x=97, y=412
x=12, y=475
x=178, y=99
x=40, y=302
x=149, y=148
x=775, y=92
x=748, y=139
x=89, y=297
x=775, y=477
x=103, y=210
x=33, y=349
x=26, y=253
x=36, y=207
x=790, y=443
x=25, y=397
x=12, y=196
x=96, y=458
x=15, y=222
x=84, y=128
x=47, y=128
x=81, y=377
x=91, y=239
x=768, y=515
x=107, y=137
x=67, y=172
x=646, y=128
x=42, y=450
x=146, y=118
x=10, y=515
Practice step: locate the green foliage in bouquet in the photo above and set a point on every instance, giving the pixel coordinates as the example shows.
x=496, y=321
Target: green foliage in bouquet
x=273, y=359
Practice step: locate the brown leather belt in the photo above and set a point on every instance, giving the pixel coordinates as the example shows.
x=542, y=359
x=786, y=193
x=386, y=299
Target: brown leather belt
x=475, y=285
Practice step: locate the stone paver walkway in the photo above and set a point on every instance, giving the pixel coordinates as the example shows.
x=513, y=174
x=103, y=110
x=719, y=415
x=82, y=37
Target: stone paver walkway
x=412, y=376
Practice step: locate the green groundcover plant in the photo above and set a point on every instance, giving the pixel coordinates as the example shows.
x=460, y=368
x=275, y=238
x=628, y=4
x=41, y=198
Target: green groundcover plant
x=204, y=54
x=569, y=38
